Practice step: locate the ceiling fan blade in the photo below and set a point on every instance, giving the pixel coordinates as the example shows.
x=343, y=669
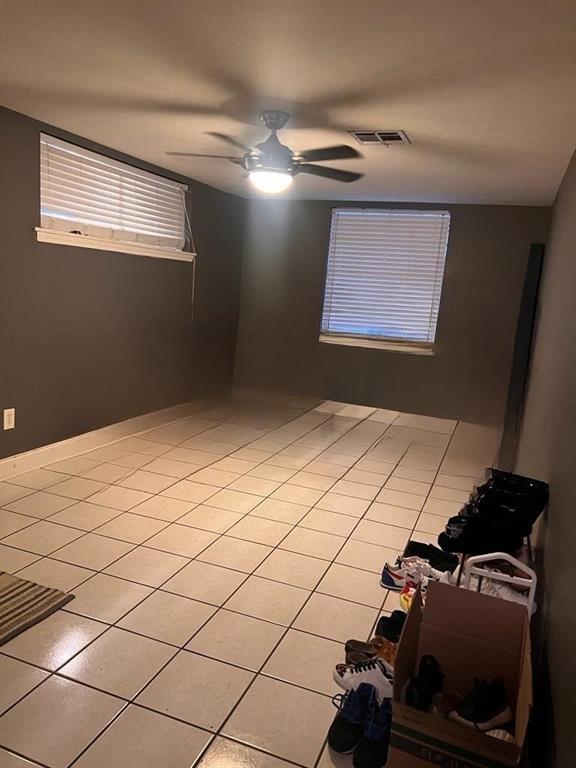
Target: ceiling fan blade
x=338, y=152
x=237, y=160
x=229, y=140
x=329, y=173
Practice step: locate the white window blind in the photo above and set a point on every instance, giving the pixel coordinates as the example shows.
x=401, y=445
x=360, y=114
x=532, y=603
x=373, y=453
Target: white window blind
x=88, y=193
x=384, y=275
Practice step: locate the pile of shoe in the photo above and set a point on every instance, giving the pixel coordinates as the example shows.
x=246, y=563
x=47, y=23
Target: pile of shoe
x=498, y=516
x=484, y=708
x=362, y=725
x=418, y=564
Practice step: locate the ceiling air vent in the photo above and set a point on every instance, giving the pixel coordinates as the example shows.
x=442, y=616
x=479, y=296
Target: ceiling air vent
x=380, y=137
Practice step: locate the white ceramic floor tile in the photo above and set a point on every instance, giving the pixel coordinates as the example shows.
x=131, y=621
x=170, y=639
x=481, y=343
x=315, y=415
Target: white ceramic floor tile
x=272, y=712
x=260, y=530
x=172, y=468
x=143, y=739
x=12, y=560
x=449, y=494
x=329, y=522
x=118, y=662
x=132, y=528
x=52, y=573
x=38, y=479
x=271, y=472
x=107, y=473
x=335, y=619
x=346, y=505
x=256, y=485
x=234, y=501
x=42, y=538
x=54, y=640
x=182, y=540
x=79, y=712
x=367, y=478
x=401, y=499
x=122, y=499
x=10, y=492
x=391, y=515
x=40, y=504
x=18, y=679
x=388, y=536
x=224, y=753
x=167, y=617
x=93, y=551
x=269, y=600
x=143, y=480
x=431, y=524
x=347, y=487
x=408, y=473
x=212, y=476
x=305, y=660
x=297, y=495
x=147, y=566
x=163, y=508
x=210, y=519
x=84, y=516
x=313, y=543
x=77, y=488
x=442, y=507
x=368, y=557
x=292, y=568
x=186, y=490
x=352, y=584
x=221, y=686
x=206, y=582
x=237, y=639
x=10, y=522
x=235, y=553
x=282, y=511
x=74, y=466
x=107, y=598
x=191, y=456
x=409, y=486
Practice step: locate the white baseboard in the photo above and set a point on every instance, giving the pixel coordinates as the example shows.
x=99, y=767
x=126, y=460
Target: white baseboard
x=98, y=438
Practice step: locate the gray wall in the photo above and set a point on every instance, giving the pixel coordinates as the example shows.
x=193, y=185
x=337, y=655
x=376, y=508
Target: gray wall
x=88, y=338
x=546, y=450
x=285, y=250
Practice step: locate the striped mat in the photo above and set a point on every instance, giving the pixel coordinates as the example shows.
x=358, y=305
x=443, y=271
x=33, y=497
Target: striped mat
x=24, y=603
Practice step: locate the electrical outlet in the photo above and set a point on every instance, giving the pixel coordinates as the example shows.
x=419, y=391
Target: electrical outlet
x=9, y=418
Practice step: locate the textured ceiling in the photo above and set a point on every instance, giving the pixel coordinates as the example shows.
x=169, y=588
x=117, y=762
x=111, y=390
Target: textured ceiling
x=485, y=89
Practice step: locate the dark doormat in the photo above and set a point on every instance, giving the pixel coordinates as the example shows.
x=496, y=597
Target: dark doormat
x=24, y=603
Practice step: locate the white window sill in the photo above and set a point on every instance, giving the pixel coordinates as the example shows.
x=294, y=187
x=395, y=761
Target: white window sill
x=392, y=346
x=44, y=235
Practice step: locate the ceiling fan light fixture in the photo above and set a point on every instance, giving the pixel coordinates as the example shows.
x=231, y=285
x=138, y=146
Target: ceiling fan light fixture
x=271, y=182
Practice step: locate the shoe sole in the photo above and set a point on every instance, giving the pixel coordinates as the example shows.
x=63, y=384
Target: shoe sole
x=391, y=588
x=501, y=718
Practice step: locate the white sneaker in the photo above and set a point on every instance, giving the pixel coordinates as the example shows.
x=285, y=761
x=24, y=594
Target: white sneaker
x=377, y=673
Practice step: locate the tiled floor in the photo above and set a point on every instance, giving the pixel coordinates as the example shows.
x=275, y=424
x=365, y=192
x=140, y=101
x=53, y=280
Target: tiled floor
x=218, y=564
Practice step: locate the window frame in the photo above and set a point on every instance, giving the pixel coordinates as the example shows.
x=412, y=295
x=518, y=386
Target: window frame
x=390, y=343
x=58, y=235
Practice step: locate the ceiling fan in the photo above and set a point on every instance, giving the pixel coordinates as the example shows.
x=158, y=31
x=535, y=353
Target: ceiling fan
x=272, y=165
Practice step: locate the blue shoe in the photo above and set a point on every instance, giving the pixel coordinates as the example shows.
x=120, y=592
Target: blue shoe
x=371, y=751
x=348, y=725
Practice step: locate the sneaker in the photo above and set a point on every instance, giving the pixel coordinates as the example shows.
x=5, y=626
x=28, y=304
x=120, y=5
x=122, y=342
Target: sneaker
x=391, y=626
x=348, y=725
x=501, y=734
x=500, y=590
x=357, y=651
x=377, y=673
x=444, y=703
x=421, y=690
x=442, y=561
x=407, y=595
x=414, y=569
x=485, y=707
x=372, y=748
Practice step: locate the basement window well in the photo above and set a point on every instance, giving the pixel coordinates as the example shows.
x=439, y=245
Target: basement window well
x=92, y=201
x=384, y=278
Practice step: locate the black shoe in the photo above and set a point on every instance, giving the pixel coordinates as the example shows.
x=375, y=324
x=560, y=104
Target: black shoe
x=439, y=560
x=372, y=748
x=391, y=626
x=348, y=725
x=428, y=682
x=484, y=708
x=481, y=535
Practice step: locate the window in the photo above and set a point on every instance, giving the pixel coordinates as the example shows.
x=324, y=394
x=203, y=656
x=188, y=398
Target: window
x=384, y=277
x=90, y=200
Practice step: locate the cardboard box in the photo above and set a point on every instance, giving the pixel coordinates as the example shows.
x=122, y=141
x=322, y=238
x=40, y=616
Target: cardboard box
x=471, y=635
